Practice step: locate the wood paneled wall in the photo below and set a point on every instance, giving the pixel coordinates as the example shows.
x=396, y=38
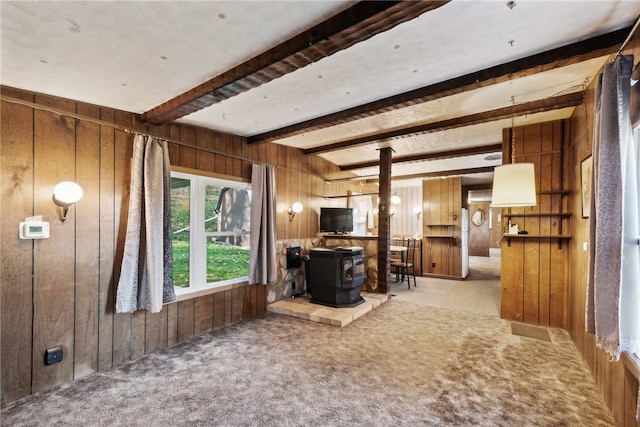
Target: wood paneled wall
x=616, y=381
x=441, y=209
x=533, y=268
x=61, y=290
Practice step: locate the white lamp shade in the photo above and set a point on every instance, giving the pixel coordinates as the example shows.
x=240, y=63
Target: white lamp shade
x=514, y=185
x=67, y=193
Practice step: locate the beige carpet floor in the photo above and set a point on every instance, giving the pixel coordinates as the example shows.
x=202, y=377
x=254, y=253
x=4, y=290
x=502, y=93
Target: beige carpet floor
x=406, y=363
x=478, y=293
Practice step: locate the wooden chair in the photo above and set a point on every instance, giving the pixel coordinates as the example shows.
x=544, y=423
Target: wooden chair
x=405, y=267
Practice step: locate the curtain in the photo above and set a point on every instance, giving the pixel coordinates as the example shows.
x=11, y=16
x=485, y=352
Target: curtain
x=146, y=277
x=613, y=290
x=262, y=261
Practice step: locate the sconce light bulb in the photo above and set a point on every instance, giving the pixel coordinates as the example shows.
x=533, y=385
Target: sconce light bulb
x=67, y=193
x=294, y=209
x=297, y=207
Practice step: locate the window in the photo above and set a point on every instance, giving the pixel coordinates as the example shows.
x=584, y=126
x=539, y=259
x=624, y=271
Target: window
x=210, y=223
x=634, y=314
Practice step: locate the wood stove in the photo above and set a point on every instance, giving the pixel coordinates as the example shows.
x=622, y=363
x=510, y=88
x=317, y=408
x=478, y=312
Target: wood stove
x=336, y=275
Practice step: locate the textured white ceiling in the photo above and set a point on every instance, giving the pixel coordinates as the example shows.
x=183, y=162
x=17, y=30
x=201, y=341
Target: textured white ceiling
x=135, y=55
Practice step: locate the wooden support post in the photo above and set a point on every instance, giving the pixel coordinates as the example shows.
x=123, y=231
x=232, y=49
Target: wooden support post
x=384, y=223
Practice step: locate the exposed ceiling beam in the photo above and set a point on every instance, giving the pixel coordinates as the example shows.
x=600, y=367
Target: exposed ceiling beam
x=449, y=154
x=538, y=106
x=595, y=47
x=452, y=172
x=374, y=178
x=354, y=25
x=351, y=178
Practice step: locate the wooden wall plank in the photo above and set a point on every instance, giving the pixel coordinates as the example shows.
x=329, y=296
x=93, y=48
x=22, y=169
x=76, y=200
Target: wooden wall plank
x=205, y=160
x=557, y=284
x=261, y=298
x=228, y=305
x=511, y=295
x=107, y=236
x=630, y=398
x=156, y=332
x=616, y=401
x=218, y=310
x=236, y=304
x=139, y=329
x=247, y=293
x=186, y=319
x=16, y=186
x=172, y=324
x=532, y=269
x=203, y=315
x=87, y=282
x=54, y=258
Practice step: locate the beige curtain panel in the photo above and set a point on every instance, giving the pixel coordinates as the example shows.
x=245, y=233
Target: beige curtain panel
x=146, y=278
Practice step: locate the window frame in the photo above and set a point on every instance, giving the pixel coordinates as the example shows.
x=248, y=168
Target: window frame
x=198, y=284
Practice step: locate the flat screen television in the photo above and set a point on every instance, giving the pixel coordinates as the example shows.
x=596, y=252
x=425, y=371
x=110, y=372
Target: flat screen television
x=336, y=220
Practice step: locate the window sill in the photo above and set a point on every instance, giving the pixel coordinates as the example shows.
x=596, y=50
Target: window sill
x=210, y=290
x=632, y=363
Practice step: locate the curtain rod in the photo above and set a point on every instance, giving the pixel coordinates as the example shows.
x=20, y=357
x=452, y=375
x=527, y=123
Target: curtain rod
x=133, y=131
x=628, y=39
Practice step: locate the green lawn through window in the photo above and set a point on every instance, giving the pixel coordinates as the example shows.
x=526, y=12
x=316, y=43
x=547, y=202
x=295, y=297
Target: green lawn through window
x=224, y=262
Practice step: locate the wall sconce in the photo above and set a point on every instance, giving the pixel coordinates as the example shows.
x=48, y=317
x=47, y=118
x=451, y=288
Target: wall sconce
x=418, y=211
x=395, y=199
x=65, y=194
x=294, y=209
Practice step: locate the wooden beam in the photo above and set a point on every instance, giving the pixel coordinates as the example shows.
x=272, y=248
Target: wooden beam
x=449, y=154
x=452, y=172
x=538, y=106
x=384, y=222
x=354, y=25
x=595, y=47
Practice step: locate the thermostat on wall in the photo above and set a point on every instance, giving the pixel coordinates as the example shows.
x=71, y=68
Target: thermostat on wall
x=34, y=228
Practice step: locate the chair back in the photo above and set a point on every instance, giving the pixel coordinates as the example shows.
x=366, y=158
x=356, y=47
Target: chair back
x=411, y=252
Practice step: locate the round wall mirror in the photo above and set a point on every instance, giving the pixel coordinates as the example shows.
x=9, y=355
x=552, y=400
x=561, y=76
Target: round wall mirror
x=478, y=217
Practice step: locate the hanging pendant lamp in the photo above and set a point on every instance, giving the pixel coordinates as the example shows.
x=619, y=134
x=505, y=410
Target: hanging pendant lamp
x=513, y=184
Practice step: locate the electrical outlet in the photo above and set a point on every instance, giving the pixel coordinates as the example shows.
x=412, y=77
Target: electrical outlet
x=53, y=355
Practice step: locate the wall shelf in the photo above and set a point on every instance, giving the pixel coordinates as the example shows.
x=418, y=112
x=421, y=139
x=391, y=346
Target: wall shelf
x=439, y=236
x=531, y=214
x=563, y=192
x=537, y=236
x=560, y=237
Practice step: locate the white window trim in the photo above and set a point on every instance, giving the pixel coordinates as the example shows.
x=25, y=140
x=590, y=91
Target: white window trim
x=198, y=241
